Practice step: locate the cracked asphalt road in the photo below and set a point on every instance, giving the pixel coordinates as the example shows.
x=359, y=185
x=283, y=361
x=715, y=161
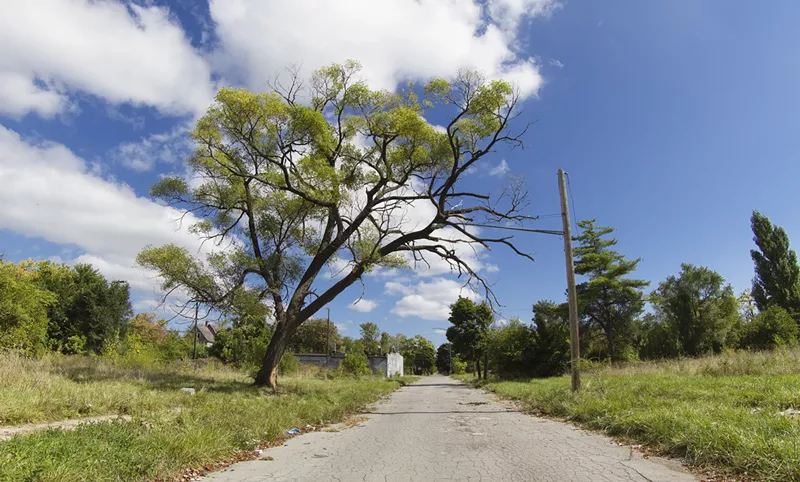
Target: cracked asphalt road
x=439, y=429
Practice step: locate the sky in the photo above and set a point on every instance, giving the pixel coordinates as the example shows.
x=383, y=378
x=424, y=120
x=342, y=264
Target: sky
x=674, y=119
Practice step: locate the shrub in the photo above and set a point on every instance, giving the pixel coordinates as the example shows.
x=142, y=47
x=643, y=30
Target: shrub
x=289, y=364
x=769, y=329
x=459, y=367
x=356, y=364
x=23, y=309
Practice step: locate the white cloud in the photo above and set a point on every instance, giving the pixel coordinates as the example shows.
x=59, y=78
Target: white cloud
x=19, y=95
x=499, y=169
x=172, y=147
x=492, y=268
x=363, y=305
x=49, y=192
x=556, y=63
x=259, y=38
x=123, y=53
x=439, y=331
x=429, y=300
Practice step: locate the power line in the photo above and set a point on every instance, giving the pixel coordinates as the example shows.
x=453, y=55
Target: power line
x=572, y=202
x=514, y=228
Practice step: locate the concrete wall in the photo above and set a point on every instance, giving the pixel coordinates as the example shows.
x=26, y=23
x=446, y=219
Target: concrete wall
x=394, y=364
x=377, y=364
x=335, y=360
x=381, y=365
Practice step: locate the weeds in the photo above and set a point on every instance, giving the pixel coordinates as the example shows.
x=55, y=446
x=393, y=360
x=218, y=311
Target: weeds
x=226, y=416
x=720, y=412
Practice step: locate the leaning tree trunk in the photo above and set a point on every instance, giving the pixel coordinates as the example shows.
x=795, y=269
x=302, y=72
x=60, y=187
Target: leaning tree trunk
x=268, y=374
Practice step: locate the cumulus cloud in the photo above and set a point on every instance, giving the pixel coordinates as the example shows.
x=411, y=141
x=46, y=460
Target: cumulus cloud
x=123, y=53
x=429, y=300
x=363, y=305
x=51, y=193
x=260, y=37
x=20, y=95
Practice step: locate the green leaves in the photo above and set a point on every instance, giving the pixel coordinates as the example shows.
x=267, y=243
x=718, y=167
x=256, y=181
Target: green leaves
x=777, y=279
x=608, y=299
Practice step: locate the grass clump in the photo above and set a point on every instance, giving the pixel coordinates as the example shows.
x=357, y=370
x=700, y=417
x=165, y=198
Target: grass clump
x=721, y=412
x=227, y=416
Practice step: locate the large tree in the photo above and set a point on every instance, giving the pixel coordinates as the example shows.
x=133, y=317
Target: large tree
x=370, y=338
x=608, y=299
x=777, y=278
x=469, y=333
x=87, y=307
x=443, y=358
x=419, y=355
x=698, y=307
x=313, y=336
x=307, y=175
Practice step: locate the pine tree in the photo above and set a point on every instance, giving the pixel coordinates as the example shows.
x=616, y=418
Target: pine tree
x=777, y=279
x=607, y=300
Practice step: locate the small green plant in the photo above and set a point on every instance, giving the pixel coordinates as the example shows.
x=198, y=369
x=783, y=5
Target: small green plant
x=356, y=364
x=289, y=364
x=459, y=367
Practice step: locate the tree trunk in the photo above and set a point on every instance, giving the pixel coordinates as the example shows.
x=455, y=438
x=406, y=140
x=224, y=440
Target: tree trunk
x=485, y=365
x=478, y=368
x=268, y=374
x=612, y=347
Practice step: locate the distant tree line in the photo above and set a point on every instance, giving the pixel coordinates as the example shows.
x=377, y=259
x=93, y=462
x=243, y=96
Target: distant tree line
x=692, y=313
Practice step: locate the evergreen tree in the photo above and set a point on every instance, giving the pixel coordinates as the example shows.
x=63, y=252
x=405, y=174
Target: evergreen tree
x=777, y=279
x=607, y=300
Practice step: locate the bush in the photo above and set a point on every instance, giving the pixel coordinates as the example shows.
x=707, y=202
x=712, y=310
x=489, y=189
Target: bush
x=289, y=364
x=769, y=329
x=241, y=346
x=23, y=309
x=356, y=364
x=459, y=367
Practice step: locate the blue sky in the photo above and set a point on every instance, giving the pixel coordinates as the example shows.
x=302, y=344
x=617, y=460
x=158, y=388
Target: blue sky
x=674, y=120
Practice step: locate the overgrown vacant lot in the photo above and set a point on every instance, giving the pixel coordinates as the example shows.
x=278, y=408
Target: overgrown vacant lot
x=724, y=412
x=225, y=417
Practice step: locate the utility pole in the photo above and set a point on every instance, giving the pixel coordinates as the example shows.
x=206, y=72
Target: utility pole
x=574, y=336
x=328, y=341
x=194, y=353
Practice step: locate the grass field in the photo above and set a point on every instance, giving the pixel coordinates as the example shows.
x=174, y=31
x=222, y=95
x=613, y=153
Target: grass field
x=721, y=412
x=226, y=417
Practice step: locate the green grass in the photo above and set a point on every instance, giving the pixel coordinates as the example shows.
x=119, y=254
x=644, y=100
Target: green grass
x=719, y=412
x=225, y=418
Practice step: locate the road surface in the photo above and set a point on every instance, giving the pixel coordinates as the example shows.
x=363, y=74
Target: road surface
x=441, y=430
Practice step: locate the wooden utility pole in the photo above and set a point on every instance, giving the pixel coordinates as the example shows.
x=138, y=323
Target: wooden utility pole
x=574, y=336
x=328, y=342
x=194, y=352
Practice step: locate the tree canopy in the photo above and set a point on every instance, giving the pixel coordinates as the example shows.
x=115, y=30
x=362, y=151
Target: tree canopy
x=777, y=274
x=608, y=299
x=310, y=174
x=699, y=307
x=469, y=331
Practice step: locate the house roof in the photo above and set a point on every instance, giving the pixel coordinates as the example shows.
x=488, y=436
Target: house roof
x=206, y=333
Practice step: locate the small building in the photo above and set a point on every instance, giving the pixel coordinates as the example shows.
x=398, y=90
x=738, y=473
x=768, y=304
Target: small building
x=382, y=365
x=206, y=333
